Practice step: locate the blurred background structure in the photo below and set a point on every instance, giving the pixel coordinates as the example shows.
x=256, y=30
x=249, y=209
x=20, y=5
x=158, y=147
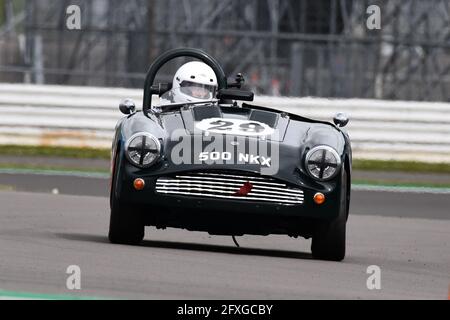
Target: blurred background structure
x=284, y=47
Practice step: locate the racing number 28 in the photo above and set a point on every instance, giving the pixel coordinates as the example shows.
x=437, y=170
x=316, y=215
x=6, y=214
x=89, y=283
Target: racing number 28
x=227, y=126
x=221, y=125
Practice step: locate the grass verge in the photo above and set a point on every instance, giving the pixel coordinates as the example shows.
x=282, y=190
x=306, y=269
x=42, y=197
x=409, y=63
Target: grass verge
x=63, y=152
x=400, y=166
x=15, y=166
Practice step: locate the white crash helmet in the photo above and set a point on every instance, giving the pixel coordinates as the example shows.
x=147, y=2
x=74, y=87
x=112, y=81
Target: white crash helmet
x=194, y=81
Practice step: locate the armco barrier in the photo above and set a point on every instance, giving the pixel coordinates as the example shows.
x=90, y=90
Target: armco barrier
x=86, y=116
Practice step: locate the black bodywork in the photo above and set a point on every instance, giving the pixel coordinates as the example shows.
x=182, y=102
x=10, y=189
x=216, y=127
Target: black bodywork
x=297, y=135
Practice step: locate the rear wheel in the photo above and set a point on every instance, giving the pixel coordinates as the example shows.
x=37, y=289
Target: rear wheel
x=328, y=241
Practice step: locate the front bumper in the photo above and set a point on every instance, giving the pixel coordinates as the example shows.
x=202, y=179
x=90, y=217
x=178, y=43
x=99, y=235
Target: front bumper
x=227, y=216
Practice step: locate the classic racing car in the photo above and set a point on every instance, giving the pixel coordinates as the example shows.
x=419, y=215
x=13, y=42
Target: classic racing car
x=203, y=159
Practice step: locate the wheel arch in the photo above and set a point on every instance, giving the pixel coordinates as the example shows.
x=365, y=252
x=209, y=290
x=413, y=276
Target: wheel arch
x=348, y=170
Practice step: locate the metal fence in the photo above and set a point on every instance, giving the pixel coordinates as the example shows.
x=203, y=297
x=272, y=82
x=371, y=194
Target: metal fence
x=284, y=47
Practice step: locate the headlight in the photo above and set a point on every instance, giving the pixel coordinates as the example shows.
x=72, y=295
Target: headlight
x=142, y=149
x=322, y=163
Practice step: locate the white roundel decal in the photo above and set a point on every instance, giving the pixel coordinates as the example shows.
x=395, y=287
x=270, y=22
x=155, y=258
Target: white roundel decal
x=235, y=127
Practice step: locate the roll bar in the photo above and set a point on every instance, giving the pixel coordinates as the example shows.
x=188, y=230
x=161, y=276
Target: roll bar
x=149, y=89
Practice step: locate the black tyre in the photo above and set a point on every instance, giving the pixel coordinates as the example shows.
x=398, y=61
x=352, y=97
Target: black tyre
x=125, y=225
x=328, y=241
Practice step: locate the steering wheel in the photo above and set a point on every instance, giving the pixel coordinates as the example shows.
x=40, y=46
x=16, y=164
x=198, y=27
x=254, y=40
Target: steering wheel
x=150, y=89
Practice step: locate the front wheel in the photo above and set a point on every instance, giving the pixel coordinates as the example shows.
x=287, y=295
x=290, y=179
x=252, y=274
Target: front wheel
x=328, y=241
x=125, y=226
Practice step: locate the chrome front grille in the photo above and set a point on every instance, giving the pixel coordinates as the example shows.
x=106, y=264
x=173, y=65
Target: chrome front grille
x=228, y=186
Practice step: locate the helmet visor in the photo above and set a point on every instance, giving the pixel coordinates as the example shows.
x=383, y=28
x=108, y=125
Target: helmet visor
x=198, y=90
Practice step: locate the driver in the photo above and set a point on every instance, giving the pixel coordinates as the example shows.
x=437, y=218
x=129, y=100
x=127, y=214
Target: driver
x=194, y=82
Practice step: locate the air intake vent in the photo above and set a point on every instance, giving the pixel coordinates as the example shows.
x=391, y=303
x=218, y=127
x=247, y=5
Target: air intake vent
x=230, y=186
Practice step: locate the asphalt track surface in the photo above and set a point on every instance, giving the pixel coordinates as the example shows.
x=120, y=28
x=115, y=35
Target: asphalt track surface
x=406, y=234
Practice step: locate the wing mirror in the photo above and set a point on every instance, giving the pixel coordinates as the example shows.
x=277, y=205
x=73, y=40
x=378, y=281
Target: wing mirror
x=341, y=119
x=234, y=94
x=239, y=81
x=127, y=106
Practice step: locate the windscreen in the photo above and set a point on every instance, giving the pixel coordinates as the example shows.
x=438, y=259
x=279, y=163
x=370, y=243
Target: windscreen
x=187, y=93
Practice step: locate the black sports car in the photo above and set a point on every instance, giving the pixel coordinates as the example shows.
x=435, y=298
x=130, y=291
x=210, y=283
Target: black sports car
x=227, y=168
